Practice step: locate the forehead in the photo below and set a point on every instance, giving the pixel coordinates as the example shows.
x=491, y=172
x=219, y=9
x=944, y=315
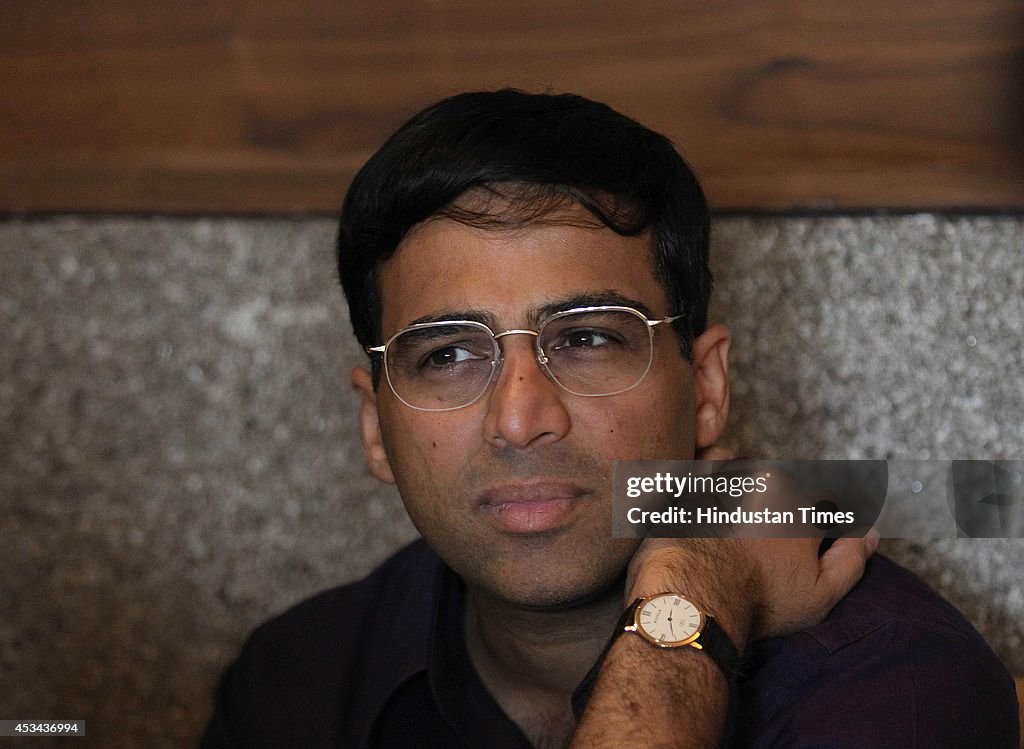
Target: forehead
x=443, y=267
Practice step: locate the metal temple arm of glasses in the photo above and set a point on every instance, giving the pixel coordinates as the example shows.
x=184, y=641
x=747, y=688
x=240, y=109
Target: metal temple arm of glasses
x=652, y=323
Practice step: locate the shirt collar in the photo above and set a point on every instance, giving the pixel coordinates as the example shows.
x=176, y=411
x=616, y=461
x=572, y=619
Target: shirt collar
x=416, y=626
x=460, y=695
x=396, y=636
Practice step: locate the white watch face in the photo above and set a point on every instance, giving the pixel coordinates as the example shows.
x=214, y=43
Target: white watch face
x=669, y=620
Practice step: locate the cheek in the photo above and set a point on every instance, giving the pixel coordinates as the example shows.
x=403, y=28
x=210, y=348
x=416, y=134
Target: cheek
x=655, y=424
x=425, y=451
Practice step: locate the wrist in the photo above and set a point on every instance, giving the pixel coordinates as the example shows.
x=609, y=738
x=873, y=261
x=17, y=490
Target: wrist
x=732, y=601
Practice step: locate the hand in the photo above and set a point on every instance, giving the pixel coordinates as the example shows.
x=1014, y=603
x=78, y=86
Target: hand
x=755, y=587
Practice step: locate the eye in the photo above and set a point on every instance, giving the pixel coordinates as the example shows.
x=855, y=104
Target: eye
x=583, y=338
x=449, y=356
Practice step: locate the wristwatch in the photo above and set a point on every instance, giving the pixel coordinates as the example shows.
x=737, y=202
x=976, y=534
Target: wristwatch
x=671, y=620
x=668, y=620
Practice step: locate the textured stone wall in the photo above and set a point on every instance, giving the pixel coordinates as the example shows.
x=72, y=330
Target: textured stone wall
x=178, y=447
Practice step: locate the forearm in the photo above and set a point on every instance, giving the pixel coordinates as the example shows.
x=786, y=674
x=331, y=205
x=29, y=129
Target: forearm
x=646, y=695
x=678, y=696
x=653, y=697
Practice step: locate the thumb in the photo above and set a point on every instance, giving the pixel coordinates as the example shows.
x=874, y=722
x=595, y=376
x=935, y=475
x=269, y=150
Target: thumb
x=843, y=565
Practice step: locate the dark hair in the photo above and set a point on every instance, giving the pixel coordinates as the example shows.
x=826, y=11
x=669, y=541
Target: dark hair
x=536, y=152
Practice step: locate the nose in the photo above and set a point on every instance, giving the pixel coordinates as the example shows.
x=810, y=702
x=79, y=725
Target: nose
x=525, y=408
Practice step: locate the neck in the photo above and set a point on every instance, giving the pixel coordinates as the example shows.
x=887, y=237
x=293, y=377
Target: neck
x=537, y=651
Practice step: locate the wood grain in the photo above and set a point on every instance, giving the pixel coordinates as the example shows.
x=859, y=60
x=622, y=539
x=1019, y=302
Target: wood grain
x=243, y=106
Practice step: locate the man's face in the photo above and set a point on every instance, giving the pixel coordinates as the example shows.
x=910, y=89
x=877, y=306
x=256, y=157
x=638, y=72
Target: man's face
x=514, y=492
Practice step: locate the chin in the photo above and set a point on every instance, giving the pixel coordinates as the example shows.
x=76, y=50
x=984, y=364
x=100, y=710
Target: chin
x=552, y=584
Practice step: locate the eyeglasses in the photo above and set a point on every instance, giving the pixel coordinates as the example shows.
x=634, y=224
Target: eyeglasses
x=588, y=351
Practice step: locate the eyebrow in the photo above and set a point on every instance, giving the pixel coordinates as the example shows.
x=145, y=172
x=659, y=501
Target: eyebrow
x=604, y=298
x=473, y=315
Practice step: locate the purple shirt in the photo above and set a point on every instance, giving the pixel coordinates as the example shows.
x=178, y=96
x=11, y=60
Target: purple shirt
x=383, y=663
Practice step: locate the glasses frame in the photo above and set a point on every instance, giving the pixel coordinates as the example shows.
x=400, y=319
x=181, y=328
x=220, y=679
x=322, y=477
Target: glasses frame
x=498, y=356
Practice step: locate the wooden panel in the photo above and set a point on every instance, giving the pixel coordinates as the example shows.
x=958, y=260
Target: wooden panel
x=255, y=106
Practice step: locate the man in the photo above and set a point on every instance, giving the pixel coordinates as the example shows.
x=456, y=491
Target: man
x=529, y=276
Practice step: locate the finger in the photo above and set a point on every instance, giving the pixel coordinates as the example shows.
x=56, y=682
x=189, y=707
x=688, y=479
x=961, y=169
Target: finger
x=842, y=566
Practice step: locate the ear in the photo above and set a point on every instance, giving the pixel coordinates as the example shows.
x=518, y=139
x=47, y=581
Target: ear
x=711, y=384
x=369, y=426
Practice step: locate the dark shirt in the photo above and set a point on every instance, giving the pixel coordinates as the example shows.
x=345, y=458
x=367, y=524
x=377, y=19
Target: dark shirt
x=383, y=663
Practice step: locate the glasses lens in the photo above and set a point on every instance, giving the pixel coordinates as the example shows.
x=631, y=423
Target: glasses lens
x=442, y=366
x=597, y=353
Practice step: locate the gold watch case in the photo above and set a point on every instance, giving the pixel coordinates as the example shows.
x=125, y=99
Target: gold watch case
x=655, y=618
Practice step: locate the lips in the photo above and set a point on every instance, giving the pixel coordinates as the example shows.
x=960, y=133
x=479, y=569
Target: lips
x=531, y=507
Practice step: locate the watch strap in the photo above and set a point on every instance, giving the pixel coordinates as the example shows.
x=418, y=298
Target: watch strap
x=713, y=640
x=581, y=695
x=716, y=643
